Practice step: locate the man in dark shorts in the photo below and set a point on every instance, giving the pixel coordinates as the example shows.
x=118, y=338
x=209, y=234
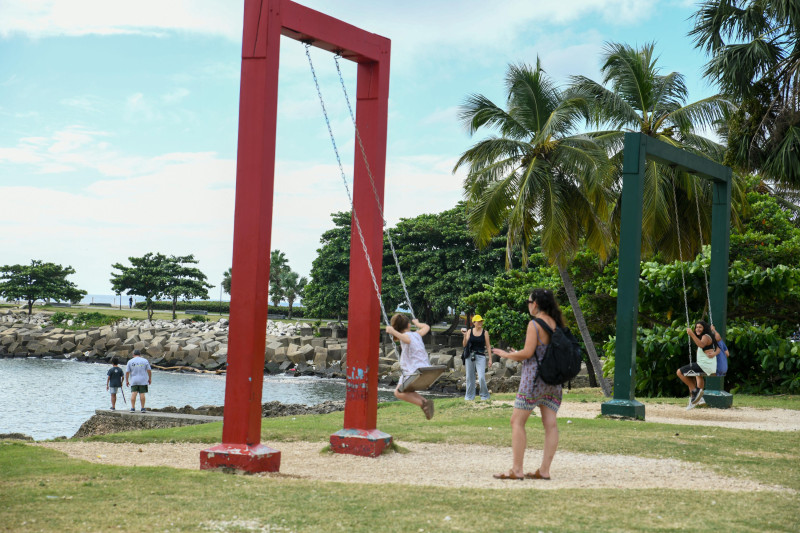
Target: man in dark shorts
x=114, y=381
x=138, y=375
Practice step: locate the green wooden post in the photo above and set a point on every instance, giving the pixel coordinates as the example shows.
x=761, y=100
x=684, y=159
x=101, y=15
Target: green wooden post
x=715, y=394
x=630, y=251
x=638, y=149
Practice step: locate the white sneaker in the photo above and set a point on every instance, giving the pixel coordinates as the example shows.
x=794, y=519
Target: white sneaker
x=698, y=397
x=701, y=402
x=690, y=406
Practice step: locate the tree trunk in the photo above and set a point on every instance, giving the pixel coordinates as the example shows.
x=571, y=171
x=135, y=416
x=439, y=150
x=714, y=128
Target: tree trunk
x=174, y=306
x=290, y=308
x=454, y=323
x=149, y=309
x=30, y=307
x=587, y=339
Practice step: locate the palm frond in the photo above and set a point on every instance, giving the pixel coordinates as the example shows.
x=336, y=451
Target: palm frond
x=478, y=111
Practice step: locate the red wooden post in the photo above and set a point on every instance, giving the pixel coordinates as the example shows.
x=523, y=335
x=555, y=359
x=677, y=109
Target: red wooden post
x=264, y=22
x=359, y=435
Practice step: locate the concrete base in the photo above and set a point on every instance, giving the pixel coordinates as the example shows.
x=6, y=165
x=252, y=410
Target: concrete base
x=625, y=408
x=715, y=395
x=241, y=457
x=366, y=443
x=718, y=398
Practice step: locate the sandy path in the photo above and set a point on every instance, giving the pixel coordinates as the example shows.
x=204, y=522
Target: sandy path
x=475, y=466
x=735, y=417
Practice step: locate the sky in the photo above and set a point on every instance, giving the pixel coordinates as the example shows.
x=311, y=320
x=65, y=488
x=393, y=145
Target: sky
x=118, y=120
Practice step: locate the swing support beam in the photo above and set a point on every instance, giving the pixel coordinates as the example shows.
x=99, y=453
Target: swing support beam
x=264, y=23
x=638, y=149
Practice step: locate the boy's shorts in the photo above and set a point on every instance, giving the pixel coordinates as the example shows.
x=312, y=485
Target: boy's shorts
x=113, y=390
x=139, y=388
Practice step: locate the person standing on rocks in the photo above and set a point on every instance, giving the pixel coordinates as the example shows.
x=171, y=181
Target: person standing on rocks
x=533, y=391
x=114, y=381
x=479, y=358
x=138, y=375
x=412, y=357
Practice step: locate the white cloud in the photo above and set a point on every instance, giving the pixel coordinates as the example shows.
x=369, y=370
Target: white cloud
x=175, y=96
x=48, y=18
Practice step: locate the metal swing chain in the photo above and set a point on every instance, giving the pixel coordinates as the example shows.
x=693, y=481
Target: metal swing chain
x=372, y=182
x=702, y=246
x=680, y=255
x=346, y=186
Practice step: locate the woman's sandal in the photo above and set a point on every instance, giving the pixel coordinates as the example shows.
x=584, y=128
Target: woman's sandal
x=535, y=475
x=510, y=475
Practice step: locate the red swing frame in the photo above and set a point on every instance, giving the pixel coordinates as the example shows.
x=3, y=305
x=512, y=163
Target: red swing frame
x=264, y=23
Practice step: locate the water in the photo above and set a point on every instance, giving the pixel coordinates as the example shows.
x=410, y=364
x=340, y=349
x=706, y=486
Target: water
x=48, y=398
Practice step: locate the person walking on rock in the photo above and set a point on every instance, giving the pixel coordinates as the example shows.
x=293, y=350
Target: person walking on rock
x=114, y=381
x=138, y=375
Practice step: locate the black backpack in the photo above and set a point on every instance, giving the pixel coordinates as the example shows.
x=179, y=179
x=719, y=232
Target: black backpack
x=562, y=358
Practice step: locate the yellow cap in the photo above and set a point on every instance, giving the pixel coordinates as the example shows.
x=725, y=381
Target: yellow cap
x=477, y=318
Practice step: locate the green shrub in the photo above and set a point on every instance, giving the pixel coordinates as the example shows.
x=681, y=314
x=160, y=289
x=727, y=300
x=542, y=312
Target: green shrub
x=83, y=320
x=216, y=307
x=761, y=360
x=199, y=318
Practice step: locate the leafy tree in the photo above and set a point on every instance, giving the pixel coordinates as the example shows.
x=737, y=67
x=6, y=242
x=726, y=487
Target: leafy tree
x=538, y=176
x=148, y=276
x=277, y=265
x=326, y=294
x=38, y=281
x=226, y=281
x=441, y=263
x=184, y=281
x=438, y=258
x=755, y=57
x=293, y=286
x=634, y=96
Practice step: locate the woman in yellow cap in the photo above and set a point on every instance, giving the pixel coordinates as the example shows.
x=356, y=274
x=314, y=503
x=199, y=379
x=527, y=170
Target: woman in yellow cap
x=479, y=357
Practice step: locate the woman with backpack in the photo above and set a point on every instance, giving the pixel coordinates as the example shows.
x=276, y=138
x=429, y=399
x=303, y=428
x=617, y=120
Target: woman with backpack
x=533, y=391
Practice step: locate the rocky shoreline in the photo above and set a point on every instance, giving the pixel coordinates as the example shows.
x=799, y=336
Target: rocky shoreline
x=184, y=345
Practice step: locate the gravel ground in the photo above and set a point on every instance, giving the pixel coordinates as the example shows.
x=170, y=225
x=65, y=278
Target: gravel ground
x=433, y=464
x=476, y=464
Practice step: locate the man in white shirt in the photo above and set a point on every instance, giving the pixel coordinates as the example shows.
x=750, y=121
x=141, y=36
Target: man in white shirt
x=138, y=375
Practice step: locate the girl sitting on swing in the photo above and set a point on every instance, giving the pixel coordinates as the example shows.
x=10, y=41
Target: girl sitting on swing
x=707, y=351
x=412, y=357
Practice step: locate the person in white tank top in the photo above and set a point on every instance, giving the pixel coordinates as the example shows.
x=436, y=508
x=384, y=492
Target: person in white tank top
x=412, y=356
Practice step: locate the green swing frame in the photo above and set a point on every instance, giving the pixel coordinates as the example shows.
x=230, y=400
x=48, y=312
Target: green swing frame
x=638, y=149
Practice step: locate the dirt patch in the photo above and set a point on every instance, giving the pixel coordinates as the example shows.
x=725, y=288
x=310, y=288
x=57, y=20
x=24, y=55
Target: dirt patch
x=735, y=417
x=432, y=465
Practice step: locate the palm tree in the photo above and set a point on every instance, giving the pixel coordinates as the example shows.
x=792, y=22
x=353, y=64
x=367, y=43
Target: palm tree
x=538, y=176
x=635, y=96
x=293, y=286
x=756, y=58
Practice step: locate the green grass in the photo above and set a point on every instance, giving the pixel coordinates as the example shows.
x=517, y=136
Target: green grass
x=44, y=489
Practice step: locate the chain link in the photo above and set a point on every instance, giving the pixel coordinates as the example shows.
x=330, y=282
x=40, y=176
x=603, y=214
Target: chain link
x=346, y=186
x=374, y=188
x=702, y=247
x=680, y=256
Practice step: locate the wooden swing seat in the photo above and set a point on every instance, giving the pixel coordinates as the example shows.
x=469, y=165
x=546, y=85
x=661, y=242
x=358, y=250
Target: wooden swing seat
x=422, y=378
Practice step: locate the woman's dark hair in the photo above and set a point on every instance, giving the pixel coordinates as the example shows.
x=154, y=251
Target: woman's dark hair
x=707, y=331
x=546, y=301
x=399, y=322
